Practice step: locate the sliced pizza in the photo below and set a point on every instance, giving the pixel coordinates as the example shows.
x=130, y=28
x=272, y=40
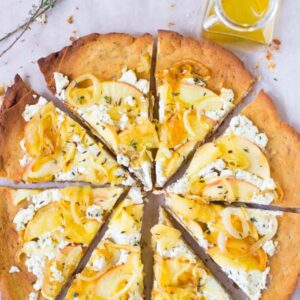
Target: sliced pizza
x=198, y=85
x=257, y=249
x=39, y=143
x=45, y=233
x=104, y=80
x=245, y=163
x=178, y=272
x=115, y=269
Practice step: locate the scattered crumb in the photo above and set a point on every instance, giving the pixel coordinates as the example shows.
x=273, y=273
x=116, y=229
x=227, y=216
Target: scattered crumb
x=70, y=19
x=275, y=79
x=272, y=66
x=270, y=59
x=276, y=43
x=42, y=19
x=75, y=32
x=72, y=39
x=171, y=4
x=258, y=78
x=269, y=55
x=256, y=66
x=170, y=24
x=77, y=8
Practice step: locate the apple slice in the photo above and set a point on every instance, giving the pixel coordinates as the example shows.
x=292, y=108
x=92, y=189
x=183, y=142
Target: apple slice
x=205, y=155
x=194, y=94
x=229, y=189
x=245, y=154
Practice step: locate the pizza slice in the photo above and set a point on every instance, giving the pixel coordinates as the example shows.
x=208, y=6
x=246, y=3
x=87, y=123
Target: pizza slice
x=178, y=272
x=257, y=249
x=255, y=160
x=45, y=233
x=115, y=269
x=104, y=80
x=39, y=142
x=198, y=85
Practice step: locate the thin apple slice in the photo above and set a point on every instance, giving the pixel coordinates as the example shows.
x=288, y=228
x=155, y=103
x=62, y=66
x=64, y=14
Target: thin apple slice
x=194, y=94
x=229, y=189
x=240, y=153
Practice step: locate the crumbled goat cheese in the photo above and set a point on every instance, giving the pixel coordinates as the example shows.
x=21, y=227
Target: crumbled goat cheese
x=160, y=177
x=227, y=94
x=123, y=122
x=94, y=212
x=179, y=187
x=240, y=125
x=251, y=282
x=121, y=237
x=220, y=114
x=31, y=110
x=61, y=82
x=99, y=112
x=74, y=172
x=129, y=76
x=33, y=296
x=213, y=169
x=270, y=247
x=42, y=18
x=123, y=160
x=129, y=100
x=56, y=274
x=136, y=195
x=265, y=198
x=22, y=145
x=45, y=197
x=14, y=269
x=23, y=216
x=120, y=172
x=129, y=181
x=24, y=161
x=99, y=263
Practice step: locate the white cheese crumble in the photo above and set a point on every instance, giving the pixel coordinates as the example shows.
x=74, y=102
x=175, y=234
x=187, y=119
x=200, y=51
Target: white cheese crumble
x=31, y=110
x=220, y=114
x=56, y=274
x=123, y=257
x=251, y=282
x=129, y=100
x=94, y=212
x=22, y=145
x=136, y=195
x=161, y=108
x=33, y=296
x=120, y=237
x=99, y=263
x=24, y=161
x=98, y=112
x=160, y=177
x=129, y=181
x=61, y=82
x=213, y=169
x=123, y=160
x=71, y=174
x=270, y=247
x=179, y=187
x=129, y=76
x=23, y=216
x=241, y=125
x=227, y=94
x=14, y=269
x=123, y=121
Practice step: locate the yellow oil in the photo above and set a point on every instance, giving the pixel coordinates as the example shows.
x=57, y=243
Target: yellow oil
x=242, y=12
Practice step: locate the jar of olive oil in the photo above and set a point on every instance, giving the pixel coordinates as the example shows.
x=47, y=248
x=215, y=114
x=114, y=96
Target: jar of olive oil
x=237, y=20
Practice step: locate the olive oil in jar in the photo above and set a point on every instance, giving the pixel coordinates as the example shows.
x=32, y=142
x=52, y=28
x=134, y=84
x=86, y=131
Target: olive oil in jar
x=237, y=20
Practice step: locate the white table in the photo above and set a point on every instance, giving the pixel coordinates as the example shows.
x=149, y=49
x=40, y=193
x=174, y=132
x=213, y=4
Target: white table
x=139, y=16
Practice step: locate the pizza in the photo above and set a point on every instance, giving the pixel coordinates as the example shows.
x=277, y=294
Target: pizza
x=46, y=233
x=115, y=269
x=128, y=116
x=178, y=272
x=113, y=99
x=39, y=143
x=198, y=85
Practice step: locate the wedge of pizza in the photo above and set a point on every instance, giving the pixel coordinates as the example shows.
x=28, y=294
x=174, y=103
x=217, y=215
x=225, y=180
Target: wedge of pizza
x=178, y=272
x=115, y=269
x=39, y=143
x=46, y=232
x=246, y=163
x=198, y=85
x=104, y=80
x=258, y=249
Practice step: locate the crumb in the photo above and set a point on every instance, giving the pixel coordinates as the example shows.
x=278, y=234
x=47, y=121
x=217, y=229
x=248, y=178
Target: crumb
x=70, y=19
x=276, y=43
x=77, y=8
x=72, y=39
x=269, y=55
x=256, y=66
x=258, y=77
x=75, y=32
x=275, y=79
x=271, y=66
x=171, y=4
x=170, y=24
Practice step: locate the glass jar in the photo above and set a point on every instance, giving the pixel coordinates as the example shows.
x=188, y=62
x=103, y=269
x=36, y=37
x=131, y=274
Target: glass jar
x=237, y=20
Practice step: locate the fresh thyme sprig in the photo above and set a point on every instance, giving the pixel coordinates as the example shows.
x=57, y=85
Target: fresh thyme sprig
x=34, y=13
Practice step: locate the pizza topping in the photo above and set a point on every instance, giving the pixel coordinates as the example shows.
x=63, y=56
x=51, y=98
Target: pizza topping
x=241, y=125
x=31, y=110
x=94, y=212
x=56, y=274
x=136, y=195
x=61, y=83
x=123, y=160
x=14, y=269
x=33, y=296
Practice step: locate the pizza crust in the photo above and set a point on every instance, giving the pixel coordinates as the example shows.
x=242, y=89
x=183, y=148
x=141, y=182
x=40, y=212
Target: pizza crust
x=103, y=55
x=283, y=148
x=8, y=250
x=223, y=67
x=12, y=127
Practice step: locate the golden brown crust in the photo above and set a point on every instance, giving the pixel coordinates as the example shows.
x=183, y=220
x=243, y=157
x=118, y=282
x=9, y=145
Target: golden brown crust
x=17, y=285
x=12, y=128
x=285, y=264
x=103, y=55
x=225, y=69
x=283, y=148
